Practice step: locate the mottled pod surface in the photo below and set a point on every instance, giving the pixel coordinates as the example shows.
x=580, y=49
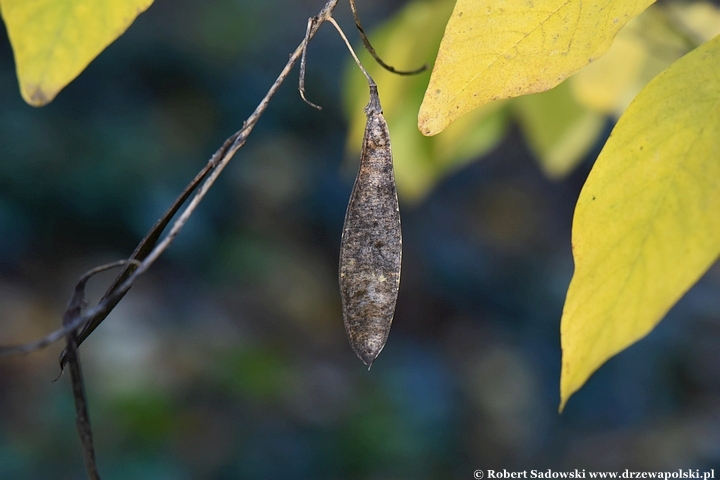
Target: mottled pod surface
x=371, y=247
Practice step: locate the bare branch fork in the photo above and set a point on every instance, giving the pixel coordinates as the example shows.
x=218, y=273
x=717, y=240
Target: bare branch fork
x=150, y=249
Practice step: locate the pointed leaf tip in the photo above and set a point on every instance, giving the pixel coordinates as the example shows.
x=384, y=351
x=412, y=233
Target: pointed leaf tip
x=54, y=40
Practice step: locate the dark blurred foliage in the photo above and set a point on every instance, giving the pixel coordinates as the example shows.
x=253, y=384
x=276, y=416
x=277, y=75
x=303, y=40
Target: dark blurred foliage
x=229, y=359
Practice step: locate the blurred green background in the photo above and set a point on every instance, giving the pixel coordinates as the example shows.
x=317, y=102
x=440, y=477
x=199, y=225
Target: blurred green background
x=229, y=359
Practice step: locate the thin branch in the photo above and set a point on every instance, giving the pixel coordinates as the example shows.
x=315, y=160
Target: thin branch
x=70, y=326
x=370, y=48
x=141, y=251
x=217, y=163
x=82, y=415
x=352, y=52
x=206, y=178
x=301, y=83
x=146, y=244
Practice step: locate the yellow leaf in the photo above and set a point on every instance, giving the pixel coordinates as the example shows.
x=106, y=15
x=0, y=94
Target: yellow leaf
x=493, y=50
x=558, y=129
x=54, y=40
x=647, y=223
x=408, y=40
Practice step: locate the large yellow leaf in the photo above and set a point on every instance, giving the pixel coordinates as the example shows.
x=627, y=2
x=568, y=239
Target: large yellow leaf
x=647, y=223
x=54, y=40
x=408, y=40
x=493, y=50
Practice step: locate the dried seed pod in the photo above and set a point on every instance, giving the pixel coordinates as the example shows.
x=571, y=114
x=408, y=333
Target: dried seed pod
x=371, y=247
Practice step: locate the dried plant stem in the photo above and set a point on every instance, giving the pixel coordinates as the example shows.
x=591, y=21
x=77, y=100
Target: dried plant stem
x=144, y=257
x=301, y=83
x=82, y=414
x=371, y=82
x=219, y=161
x=374, y=54
x=70, y=323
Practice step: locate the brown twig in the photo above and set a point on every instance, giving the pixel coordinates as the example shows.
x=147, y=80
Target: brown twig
x=82, y=415
x=68, y=326
x=371, y=82
x=149, y=249
x=301, y=82
x=219, y=160
x=146, y=244
x=374, y=54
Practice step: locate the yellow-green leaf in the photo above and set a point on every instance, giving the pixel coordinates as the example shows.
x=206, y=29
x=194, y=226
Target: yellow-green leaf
x=493, y=50
x=54, y=40
x=559, y=130
x=410, y=39
x=647, y=223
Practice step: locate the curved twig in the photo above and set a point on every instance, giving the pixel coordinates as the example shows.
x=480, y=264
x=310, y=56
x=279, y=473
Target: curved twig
x=70, y=322
x=374, y=54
